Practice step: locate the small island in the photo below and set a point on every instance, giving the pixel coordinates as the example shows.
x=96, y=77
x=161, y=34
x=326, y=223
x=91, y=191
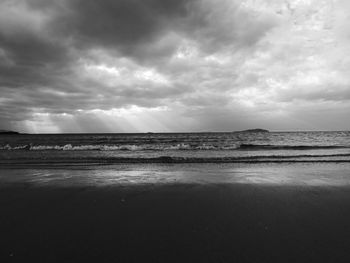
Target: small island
x=6, y=132
x=255, y=131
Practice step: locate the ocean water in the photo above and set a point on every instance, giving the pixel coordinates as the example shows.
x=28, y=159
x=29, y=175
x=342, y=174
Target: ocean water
x=234, y=147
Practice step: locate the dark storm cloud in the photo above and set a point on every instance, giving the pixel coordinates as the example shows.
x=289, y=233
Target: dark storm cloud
x=122, y=23
x=41, y=45
x=31, y=52
x=130, y=25
x=37, y=50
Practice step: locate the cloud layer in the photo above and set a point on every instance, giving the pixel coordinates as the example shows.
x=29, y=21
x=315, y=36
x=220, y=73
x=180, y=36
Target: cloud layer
x=164, y=65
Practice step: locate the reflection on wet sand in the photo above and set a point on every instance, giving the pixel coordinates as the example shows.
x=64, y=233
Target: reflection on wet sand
x=319, y=174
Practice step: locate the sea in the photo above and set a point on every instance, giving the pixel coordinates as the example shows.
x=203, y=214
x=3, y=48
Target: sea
x=224, y=147
x=169, y=157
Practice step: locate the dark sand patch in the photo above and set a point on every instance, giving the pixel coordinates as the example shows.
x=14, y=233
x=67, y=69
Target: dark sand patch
x=175, y=223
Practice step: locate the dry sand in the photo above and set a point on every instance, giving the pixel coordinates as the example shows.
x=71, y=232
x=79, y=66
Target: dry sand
x=175, y=223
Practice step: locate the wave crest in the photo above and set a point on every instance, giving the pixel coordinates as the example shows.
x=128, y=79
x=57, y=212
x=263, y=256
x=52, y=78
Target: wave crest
x=288, y=147
x=163, y=147
x=127, y=147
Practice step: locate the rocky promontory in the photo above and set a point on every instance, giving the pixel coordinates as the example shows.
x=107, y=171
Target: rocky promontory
x=6, y=132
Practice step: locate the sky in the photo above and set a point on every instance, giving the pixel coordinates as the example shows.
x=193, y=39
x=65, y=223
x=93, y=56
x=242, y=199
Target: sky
x=174, y=66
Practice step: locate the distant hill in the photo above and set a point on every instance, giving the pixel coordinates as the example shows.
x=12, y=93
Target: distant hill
x=8, y=132
x=255, y=130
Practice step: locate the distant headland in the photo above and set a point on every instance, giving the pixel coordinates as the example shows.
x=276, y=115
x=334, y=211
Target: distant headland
x=255, y=130
x=6, y=132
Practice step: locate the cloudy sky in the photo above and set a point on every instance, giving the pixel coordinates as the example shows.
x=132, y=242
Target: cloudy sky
x=167, y=66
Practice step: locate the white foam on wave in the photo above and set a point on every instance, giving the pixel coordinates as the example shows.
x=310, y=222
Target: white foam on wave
x=126, y=147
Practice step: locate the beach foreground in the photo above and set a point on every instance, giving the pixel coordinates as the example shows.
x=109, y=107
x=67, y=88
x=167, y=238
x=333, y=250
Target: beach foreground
x=175, y=222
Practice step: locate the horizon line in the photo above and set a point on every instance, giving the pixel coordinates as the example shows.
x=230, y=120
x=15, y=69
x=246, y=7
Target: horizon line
x=158, y=132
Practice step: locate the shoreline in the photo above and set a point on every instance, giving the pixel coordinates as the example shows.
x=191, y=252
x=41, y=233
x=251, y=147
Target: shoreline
x=81, y=175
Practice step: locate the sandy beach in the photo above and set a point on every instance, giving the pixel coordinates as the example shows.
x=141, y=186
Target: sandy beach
x=175, y=223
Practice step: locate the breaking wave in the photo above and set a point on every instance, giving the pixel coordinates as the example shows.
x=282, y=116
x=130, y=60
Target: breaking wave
x=131, y=147
x=160, y=147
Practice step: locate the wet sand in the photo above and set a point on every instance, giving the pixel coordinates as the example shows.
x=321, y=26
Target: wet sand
x=175, y=223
